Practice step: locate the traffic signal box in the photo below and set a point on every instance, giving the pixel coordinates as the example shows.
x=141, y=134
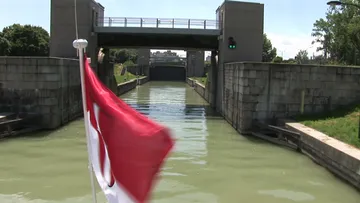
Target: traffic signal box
x=232, y=43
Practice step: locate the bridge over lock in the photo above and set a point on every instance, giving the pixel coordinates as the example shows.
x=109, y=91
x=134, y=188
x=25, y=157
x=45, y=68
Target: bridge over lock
x=243, y=21
x=157, y=33
x=193, y=35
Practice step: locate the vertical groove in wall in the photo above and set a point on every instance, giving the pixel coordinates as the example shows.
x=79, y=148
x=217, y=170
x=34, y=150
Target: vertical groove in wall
x=224, y=101
x=268, y=93
x=62, y=95
x=235, y=90
x=39, y=90
x=237, y=110
x=223, y=88
x=234, y=83
x=68, y=93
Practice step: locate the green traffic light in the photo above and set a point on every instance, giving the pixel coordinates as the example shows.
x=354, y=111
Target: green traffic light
x=232, y=46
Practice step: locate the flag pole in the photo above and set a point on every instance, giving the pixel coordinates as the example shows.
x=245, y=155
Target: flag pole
x=80, y=45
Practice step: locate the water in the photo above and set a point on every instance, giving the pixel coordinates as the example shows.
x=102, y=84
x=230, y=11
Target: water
x=211, y=163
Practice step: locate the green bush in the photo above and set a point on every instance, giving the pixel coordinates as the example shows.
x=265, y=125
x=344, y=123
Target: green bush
x=128, y=63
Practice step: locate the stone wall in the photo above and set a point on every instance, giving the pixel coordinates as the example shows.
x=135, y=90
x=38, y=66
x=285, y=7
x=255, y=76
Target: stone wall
x=199, y=88
x=190, y=82
x=41, y=85
x=127, y=86
x=143, y=80
x=270, y=91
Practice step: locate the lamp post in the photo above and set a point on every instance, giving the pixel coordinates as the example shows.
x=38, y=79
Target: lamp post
x=339, y=3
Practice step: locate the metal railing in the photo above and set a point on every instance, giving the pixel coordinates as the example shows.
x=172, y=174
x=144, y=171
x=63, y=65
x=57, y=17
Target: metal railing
x=157, y=23
x=167, y=59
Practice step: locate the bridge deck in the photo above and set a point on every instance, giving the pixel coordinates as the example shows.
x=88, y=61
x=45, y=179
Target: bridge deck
x=157, y=26
x=158, y=41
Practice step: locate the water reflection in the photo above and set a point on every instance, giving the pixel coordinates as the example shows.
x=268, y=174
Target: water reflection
x=183, y=119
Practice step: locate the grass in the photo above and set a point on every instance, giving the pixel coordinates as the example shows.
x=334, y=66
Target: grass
x=122, y=78
x=341, y=124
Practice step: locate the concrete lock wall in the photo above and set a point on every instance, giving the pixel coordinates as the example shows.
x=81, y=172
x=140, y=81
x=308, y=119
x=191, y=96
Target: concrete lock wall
x=130, y=85
x=199, y=88
x=266, y=91
x=62, y=27
x=47, y=86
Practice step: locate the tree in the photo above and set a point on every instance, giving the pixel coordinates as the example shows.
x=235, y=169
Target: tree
x=4, y=46
x=302, y=57
x=277, y=59
x=290, y=61
x=269, y=53
x=320, y=59
x=122, y=55
x=24, y=40
x=339, y=34
x=128, y=63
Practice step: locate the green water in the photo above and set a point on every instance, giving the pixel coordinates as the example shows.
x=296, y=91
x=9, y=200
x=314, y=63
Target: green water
x=211, y=162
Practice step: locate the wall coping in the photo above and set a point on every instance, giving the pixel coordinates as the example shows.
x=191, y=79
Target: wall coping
x=332, y=142
x=199, y=84
x=36, y=57
x=124, y=83
x=130, y=81
x=290, y=64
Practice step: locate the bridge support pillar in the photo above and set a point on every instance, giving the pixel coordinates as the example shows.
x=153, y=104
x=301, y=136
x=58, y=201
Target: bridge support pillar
x=195, y=64
x=143, y=61
x=62, y=29
x=212, y=81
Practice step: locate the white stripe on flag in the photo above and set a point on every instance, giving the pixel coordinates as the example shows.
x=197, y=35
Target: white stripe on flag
x=107, y=173
x=116, y=193
x=107, y=168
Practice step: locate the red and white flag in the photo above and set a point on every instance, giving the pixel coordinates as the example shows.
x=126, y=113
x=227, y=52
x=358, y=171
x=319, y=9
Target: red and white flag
x=127, y=149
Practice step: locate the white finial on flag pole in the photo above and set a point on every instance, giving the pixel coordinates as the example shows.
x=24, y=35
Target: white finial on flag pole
x=80, y=45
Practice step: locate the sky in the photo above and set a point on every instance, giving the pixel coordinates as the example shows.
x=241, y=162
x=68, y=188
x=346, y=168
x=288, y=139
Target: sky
x=288, y=23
